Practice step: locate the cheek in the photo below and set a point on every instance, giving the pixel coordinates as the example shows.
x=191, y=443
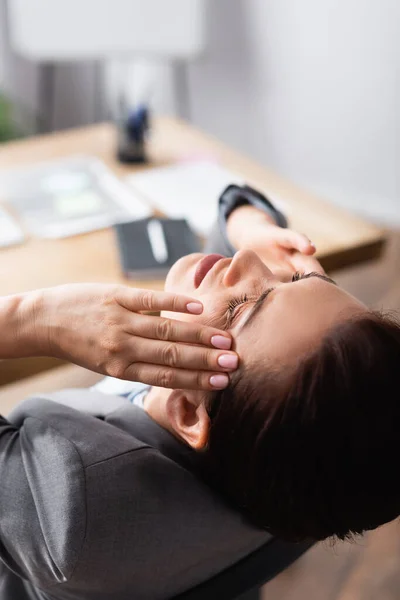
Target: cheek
x=214, y=317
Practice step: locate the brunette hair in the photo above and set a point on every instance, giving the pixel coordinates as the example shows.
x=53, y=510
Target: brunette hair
x=315, y=453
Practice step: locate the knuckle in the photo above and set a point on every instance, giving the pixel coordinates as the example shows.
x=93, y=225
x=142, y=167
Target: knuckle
x=111, y=346
x=110, y=317
x=111, y=294
x=170, y=355
x=206, y=359
x=164, y=329
x=113, y=341
x=147, y=300
x=110, y=324
x=201, y=336
x=135, y=372
x=116, y=369
x=166, y=378
x=201, y=381
x=176, y=303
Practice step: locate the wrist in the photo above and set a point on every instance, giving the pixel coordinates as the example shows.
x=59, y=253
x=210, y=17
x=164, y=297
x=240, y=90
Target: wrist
x=240, y=222
x=20, y=333
x=33, y=324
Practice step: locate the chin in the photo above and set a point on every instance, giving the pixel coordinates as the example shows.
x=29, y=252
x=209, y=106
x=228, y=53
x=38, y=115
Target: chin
x=181, y=275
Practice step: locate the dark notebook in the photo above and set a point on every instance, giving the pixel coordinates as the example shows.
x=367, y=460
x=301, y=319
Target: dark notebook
x=149, y=247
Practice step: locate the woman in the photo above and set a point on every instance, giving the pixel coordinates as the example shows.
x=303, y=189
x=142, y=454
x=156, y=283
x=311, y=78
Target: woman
x=294, y=436
x=313, y=363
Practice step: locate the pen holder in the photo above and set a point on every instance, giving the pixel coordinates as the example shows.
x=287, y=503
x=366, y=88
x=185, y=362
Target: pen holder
x=132, y=135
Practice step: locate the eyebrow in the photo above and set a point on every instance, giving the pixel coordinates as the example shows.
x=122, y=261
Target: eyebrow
x=260, y=302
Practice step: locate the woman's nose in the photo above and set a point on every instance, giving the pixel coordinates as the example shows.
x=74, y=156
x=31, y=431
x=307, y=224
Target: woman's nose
x=245, y=265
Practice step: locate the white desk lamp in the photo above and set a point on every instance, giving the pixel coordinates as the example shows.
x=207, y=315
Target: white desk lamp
x=50, y=31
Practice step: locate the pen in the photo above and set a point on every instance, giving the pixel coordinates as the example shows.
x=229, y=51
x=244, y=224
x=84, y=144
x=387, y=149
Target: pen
x=157, y=240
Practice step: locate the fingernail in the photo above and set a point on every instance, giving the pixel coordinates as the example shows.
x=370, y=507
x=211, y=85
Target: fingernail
x=228, y=361
x=219, y=381
x=309, y=245
x=195, y=307
x=219, y=341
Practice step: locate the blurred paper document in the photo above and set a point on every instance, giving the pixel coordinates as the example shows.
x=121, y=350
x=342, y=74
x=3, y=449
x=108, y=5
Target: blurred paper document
x=69, y=196
x=187, y=190
x=10, y=232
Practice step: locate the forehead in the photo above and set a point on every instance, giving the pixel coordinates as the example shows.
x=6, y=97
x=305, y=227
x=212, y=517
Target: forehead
x=292, y=322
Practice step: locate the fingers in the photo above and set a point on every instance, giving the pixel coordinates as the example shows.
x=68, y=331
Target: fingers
x=295, y=241
x=181, y=356
x=161, y=328
x=305, y=263
x=173, y=378
x=154, y=301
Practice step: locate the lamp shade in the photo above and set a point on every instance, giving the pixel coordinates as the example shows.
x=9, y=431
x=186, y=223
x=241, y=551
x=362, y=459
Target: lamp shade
x=57, y=30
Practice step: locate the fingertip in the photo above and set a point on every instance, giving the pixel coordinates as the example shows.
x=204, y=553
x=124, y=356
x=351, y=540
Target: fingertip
x=306, y=245
x=196, y=308
x=228, y=361
x=309, y=248
x=219, y=382
x=221, y=342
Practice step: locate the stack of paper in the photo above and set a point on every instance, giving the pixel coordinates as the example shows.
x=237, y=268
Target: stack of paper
x=186, y=190
x=10, y=232
x=69, y=196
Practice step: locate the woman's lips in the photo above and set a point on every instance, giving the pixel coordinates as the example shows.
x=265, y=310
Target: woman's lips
x=204, y=266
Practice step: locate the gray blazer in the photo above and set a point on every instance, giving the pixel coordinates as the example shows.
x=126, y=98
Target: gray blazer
x=98, y=502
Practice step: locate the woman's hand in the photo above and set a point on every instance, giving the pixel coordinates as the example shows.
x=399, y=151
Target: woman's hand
x=281, y=249
x=101, y=327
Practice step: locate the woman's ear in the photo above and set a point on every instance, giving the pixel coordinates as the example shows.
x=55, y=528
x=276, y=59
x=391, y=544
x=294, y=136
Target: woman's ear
x=188, y=417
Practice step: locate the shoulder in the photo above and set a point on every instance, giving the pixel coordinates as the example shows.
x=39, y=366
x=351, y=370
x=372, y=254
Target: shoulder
x=48, y=467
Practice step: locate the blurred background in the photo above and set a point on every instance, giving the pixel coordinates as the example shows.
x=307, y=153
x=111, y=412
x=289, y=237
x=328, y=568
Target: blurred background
x=310, y=89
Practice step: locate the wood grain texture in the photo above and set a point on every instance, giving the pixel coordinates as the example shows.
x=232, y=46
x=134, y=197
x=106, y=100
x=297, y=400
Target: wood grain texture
x=341, y=238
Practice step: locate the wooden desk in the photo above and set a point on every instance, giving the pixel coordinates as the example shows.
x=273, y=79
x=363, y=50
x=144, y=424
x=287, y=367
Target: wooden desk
x=342, y=239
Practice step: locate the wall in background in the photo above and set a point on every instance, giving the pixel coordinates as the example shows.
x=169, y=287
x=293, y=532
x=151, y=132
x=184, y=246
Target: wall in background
x=18, y=77
x=2, y=43
x=311, y=88
x=21, y=79
x=84, y=92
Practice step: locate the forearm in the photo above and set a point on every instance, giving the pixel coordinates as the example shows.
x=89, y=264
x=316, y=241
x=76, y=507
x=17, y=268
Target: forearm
x=19, y=334
x=239, y=230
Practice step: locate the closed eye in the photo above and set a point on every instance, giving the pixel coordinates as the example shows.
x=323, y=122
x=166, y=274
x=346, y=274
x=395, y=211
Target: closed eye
x=298, y=276
x=235, y=302
x=231, y=313
x=232, y=306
